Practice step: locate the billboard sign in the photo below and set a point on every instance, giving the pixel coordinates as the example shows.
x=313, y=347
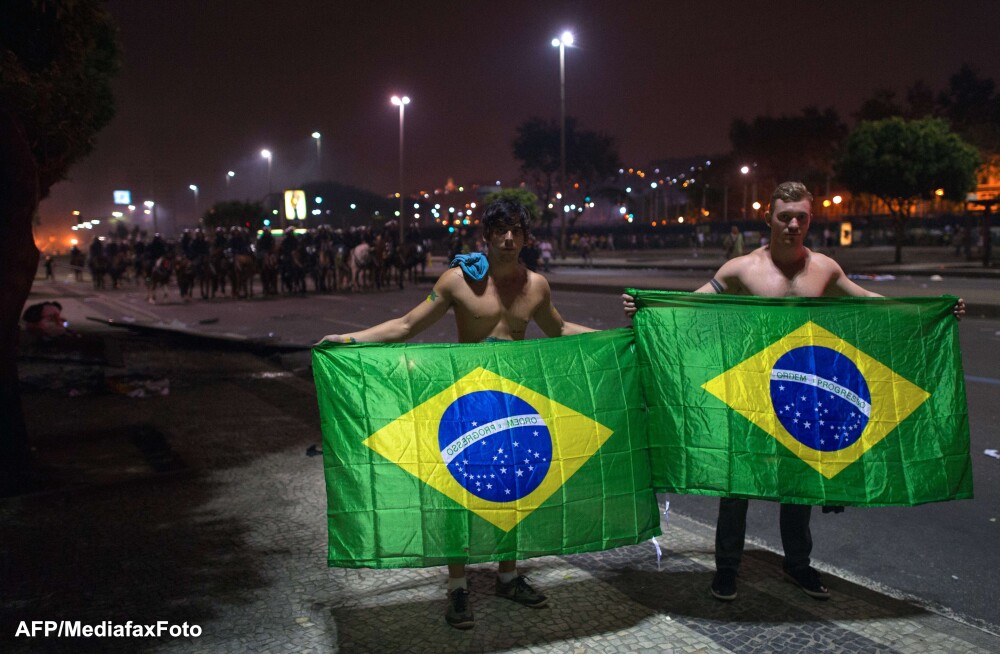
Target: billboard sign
x=295, y=205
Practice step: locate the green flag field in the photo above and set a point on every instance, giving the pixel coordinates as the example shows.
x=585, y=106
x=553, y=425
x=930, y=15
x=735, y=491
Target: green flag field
x=445, y=453
x=842, y=401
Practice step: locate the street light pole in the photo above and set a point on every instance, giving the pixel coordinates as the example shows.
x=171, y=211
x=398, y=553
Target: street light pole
x=194, y=188
x=401, y=103
x=319, y=156
x=229, y=176
x=561, y=43
x=745, y=170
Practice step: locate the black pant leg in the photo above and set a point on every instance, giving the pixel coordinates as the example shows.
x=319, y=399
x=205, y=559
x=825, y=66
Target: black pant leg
x=730, y=533
x=796, y=537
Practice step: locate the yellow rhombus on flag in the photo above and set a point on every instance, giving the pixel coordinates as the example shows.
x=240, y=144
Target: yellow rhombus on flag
x=746, y=388
x=412, y=442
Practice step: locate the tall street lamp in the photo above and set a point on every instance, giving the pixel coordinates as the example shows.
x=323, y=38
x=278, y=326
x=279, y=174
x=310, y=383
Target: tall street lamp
x=565, y=40
x=745, y=170
x=229, y=176
x=319, y=157
x=401, y=102
x=151, y=208
x=266, y=154
x=194, y=187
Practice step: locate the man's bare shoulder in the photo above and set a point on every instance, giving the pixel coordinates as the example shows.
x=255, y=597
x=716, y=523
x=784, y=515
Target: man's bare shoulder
x=538, y=281
x=451, y=279
x=739, y=266
x=823, y=262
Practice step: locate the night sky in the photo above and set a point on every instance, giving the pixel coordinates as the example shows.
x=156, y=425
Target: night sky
x=206, y=85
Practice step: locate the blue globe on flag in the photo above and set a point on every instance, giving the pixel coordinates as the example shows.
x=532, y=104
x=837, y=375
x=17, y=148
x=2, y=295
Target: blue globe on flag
x=820, y=397
x=495, y=445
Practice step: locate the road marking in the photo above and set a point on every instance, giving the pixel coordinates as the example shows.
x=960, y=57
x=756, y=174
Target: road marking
x=983, y=380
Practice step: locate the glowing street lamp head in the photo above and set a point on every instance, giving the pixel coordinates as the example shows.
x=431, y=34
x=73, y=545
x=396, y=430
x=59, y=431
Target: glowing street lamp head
x=230, y=174
x=566, y=39
x=400, y=101
x=266, y=154
x=316, y=135
x=745, y=170
x=193, y=187
x=149, y=204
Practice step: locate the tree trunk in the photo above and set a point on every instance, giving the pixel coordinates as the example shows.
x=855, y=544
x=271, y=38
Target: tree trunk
x=897, y=223
x=19, y=196
x=987, y=236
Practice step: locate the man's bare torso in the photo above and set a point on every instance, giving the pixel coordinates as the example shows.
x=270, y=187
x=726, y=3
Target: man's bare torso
x=497, y=308
x=758, y=274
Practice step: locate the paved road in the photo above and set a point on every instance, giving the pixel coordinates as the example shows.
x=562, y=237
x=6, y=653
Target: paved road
x=210, y=514
x=947, y=555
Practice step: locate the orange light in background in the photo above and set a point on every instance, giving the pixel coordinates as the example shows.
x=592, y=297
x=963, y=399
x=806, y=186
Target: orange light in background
x=826, y=203
x=939, y=192
x=654, y=223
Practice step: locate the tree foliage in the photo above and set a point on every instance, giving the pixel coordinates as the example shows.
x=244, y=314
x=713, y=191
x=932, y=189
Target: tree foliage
x=522, y=195
x=57, y=60
x=591, y=158
x=800, y=147
x=900, y=162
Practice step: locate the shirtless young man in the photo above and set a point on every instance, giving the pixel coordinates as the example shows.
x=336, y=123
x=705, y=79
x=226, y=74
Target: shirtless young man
x=784, y=268
x=497, y=303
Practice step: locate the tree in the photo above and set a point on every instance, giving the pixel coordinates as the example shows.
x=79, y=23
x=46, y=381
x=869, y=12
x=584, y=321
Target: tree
x=901, y=161
x=57, y=60
x=522, y=195
x=235, y=214
x=800, y=147
x=591, y=158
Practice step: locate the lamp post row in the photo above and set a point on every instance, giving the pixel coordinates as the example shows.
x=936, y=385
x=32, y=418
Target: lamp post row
x=401, y=101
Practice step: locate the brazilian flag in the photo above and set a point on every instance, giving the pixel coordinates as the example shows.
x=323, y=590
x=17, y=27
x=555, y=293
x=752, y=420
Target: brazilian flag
x=843, y=401
x=444, y=453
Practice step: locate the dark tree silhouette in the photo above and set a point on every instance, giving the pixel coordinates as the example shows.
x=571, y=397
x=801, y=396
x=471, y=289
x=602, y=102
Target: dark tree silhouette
x=57, y=59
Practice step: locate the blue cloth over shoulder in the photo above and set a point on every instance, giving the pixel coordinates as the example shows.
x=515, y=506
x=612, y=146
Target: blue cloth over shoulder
x=474, y=265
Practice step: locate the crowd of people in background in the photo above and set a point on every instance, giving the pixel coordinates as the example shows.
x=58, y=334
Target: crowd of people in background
x=227, y=261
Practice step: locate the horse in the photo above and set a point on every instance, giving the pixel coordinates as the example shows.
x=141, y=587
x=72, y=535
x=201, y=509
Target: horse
x=99, y=265
x=184, y=270
x=362, y=267
x=268, y=265
x=159, y=277
x=220, y=268
x=119, y=268
x=204, y=275
x=243, y=270
x=405, y=260
x=293, y=271
x=342, y=267
x=77, y=260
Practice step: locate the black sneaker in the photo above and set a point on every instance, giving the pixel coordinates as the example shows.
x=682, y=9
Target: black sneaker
x=521, y=592
x=459, y=614
x=724, y=585
x=809, y=581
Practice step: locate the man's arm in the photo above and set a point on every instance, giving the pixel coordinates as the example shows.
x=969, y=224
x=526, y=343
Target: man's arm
x=726, y=280
x=406, y=327
x=842, y=286
x=548, y=318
